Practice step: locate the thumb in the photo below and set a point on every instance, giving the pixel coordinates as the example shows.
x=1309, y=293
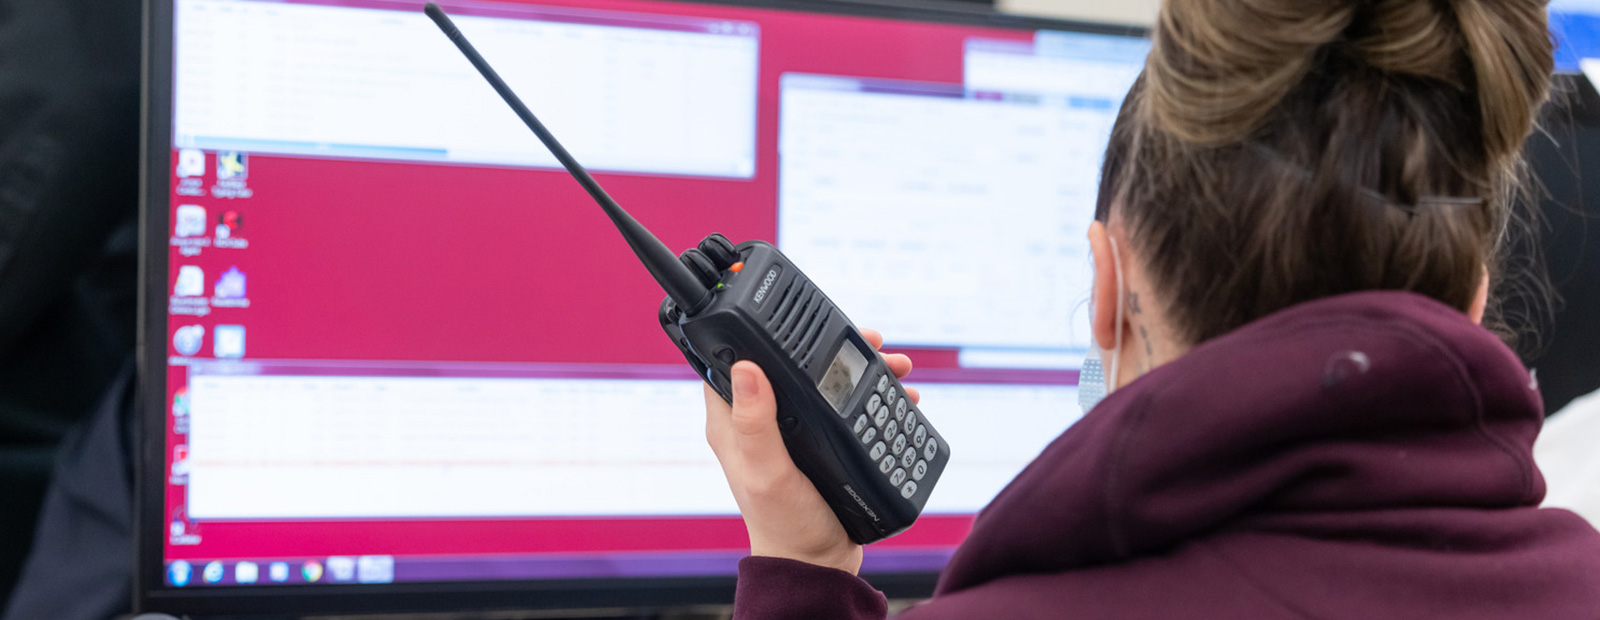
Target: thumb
x=755, y=410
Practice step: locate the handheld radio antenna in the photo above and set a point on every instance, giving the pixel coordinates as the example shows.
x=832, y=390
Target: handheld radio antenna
x=680, y=283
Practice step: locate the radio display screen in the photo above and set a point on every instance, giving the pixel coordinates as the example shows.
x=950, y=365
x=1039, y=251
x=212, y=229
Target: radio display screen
x=843, y=375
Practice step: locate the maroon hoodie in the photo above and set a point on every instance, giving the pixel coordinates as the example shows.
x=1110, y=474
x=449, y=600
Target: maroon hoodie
x=1364, y=456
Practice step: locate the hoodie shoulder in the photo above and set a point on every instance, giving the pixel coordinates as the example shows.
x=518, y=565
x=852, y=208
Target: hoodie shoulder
x=1361, y=403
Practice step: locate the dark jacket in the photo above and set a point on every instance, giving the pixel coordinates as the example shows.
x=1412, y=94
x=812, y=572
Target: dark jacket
x=1364, y=456
x=69, y=242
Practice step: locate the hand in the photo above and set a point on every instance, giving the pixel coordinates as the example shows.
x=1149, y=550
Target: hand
x=783, y=511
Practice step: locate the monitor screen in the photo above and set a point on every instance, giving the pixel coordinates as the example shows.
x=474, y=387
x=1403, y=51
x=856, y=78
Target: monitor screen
x=1575, y=24
x=394, y=343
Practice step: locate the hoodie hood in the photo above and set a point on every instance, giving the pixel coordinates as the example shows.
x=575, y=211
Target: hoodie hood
x=1378, y=404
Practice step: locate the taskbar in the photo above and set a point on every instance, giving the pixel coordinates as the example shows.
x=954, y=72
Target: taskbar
x=379, y=569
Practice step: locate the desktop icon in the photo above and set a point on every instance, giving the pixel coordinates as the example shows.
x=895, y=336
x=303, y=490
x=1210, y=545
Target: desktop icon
x=191, y=221
x=187, y=340
x=191, y=163
x=180, y=460
x=191, y=282
x=179, y=573
x=231, y=284
x=342, y=568
x=181, y=531
x=232, y=165
x=180, y=402
x=228, y=224
x=278, y=572
x=180, y=411
x=213, y=572
x=227, y=342
x=178, y=527
x=311, y=571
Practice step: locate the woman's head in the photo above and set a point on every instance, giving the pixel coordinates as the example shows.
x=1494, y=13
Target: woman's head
x=1278, y=151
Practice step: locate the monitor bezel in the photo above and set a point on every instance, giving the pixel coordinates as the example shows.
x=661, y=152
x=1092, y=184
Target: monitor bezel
x=151, y=594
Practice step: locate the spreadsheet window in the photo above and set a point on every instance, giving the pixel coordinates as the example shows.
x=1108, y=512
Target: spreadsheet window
x=275, y=446
x=274, y=77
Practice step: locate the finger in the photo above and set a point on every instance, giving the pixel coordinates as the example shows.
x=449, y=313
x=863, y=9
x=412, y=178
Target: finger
x=873, y=338
x=899, y=364
x=913, y=394
x=714, y=402
x=718, y=413
x=755, y=417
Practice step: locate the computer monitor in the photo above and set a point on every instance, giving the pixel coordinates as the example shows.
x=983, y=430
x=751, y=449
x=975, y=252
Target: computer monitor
x=394, y=358
x=1575, y=25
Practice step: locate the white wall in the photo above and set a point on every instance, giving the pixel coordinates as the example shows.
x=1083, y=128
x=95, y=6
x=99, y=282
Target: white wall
x=1137, y=12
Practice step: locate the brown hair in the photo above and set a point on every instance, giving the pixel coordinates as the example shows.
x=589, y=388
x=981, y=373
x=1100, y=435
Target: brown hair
x=1278, y=151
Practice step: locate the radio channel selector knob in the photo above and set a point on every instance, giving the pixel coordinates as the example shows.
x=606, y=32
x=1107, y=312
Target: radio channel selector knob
x=720, y=250
x=703, y=269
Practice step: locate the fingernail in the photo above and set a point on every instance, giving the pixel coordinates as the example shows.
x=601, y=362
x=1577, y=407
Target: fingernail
x=744, y=383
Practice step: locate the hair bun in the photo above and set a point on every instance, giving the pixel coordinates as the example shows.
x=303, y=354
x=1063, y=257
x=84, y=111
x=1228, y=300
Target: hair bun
x=1411, y=37
x=1219, y=66
x=1511, y=51
x=1470, y=44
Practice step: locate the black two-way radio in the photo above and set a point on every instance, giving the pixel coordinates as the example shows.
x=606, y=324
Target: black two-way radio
x=844, y=416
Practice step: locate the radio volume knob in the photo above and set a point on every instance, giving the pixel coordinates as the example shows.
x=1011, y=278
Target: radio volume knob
x=703, y=269
x=720, y=250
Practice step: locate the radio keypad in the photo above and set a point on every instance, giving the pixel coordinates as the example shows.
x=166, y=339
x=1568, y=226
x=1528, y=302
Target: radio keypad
x=900, y=442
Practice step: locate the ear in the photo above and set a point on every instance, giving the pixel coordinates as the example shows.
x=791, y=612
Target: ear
x=1480, y=302
x=1103, y=297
